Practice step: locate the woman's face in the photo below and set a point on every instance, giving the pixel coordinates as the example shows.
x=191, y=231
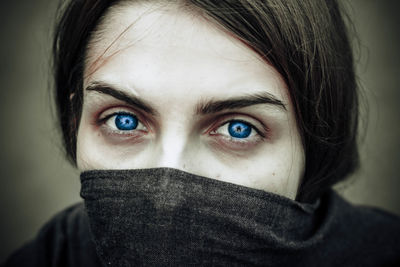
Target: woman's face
x=165, y=88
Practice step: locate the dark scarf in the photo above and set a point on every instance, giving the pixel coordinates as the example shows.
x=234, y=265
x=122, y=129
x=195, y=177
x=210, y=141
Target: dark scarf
x=167, y=217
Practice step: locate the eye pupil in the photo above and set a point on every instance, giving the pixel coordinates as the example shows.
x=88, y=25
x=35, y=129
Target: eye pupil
x=126, y=122
x=239, y=129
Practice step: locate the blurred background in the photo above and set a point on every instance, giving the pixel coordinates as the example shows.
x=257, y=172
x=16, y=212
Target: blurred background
x=36, y=180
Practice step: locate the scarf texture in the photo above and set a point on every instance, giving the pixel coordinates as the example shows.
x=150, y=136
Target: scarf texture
x=168, y=217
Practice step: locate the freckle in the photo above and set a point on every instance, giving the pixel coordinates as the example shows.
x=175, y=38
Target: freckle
x=273, y=174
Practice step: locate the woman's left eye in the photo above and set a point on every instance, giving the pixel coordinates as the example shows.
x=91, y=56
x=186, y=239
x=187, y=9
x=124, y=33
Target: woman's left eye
x=124, y=122
x=237, y=129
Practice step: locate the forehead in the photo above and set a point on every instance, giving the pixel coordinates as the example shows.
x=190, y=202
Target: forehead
x=136, y=41
x=167, y=27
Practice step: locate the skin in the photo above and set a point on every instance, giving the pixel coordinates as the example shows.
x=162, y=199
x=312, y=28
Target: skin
x=177, y=64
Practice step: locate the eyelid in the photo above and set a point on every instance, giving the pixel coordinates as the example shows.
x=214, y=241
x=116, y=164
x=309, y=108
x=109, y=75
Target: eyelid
x=107, y=113
x=108, y=116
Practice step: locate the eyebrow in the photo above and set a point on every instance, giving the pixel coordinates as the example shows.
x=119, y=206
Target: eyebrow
x=212, y=106
x=132, y=100
x=203, y=108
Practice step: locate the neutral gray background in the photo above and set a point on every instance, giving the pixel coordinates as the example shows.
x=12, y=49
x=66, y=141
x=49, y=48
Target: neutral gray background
x=36, y=181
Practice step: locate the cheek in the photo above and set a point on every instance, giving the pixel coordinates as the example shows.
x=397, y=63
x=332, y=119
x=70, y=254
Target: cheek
x=277, y=168
x=279, y=173
x=92, y=153
x=86, y=151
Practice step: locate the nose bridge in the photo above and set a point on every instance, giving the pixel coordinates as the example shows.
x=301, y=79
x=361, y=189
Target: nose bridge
x=171, y=147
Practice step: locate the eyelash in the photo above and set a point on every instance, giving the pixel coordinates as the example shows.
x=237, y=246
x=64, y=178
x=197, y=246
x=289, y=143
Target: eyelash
x=212, y=131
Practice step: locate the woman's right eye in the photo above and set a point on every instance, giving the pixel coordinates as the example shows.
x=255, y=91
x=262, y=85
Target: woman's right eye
x=123, y=122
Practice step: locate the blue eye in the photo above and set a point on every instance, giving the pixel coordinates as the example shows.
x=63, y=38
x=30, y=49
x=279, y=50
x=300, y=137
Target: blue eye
x=126, y=122
x=239, y=129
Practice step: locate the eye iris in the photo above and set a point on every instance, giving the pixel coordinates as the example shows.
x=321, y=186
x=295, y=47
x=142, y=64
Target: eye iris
x=126, y=122
x=239, y=129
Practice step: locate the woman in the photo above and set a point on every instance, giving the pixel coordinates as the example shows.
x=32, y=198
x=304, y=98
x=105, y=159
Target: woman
x=209, y=133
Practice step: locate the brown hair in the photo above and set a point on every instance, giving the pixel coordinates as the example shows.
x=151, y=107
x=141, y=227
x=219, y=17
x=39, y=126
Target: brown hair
x=305, y=40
